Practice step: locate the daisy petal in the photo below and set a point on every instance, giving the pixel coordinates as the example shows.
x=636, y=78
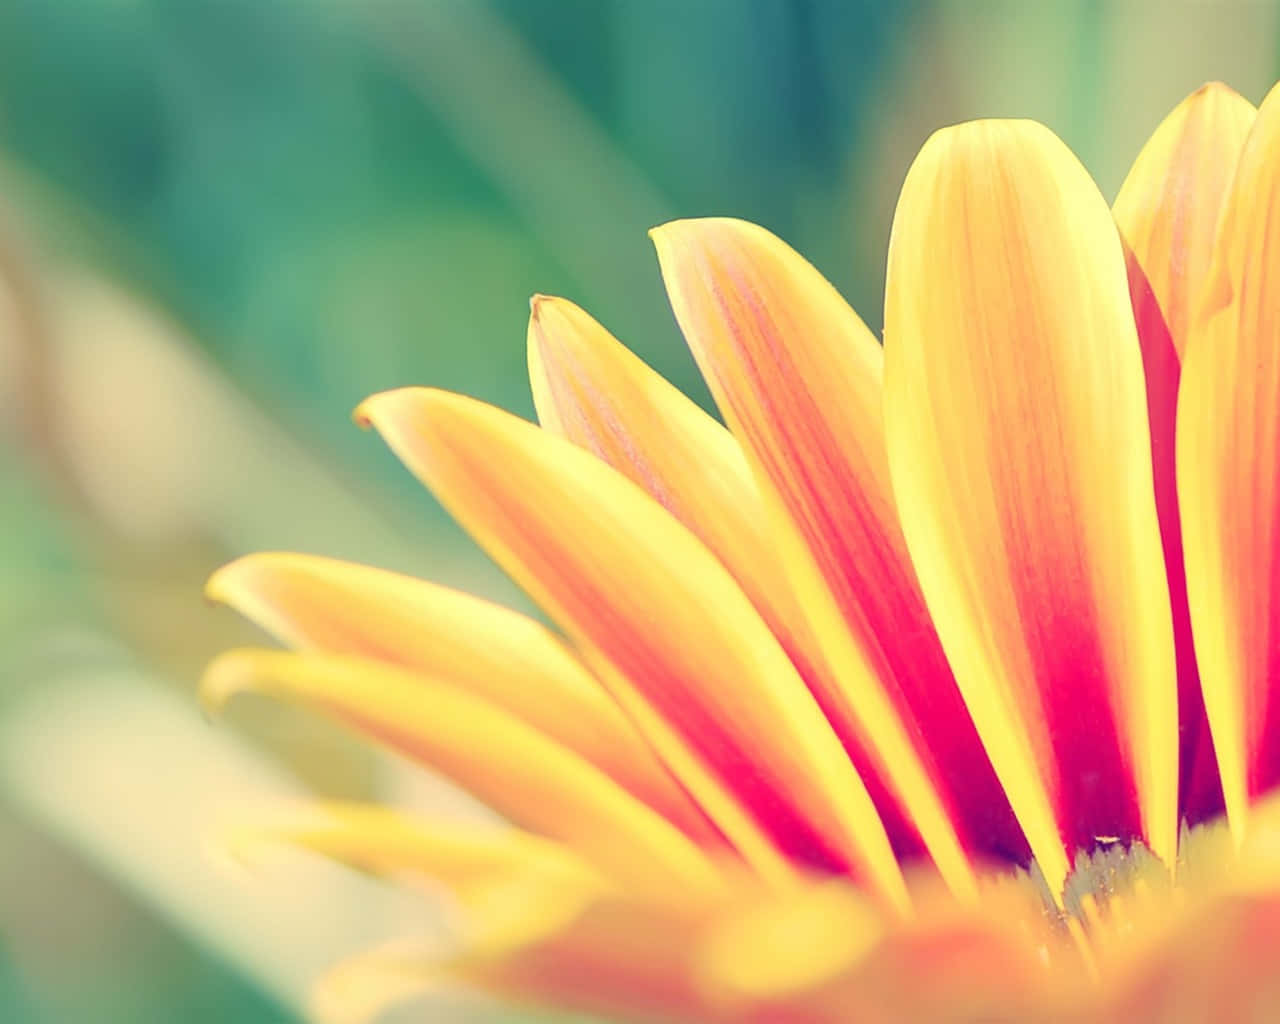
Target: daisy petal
x=327, y=605
x=1228, y=450
x=660, y=621
x=507, y=764
x=798, y=378
x=589, y=388
x=1200, y=795
x=1018, y=438
x=1169, y=204
x=461, y=855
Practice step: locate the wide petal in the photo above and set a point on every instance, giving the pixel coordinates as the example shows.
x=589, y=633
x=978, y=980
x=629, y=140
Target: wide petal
x=337, y=607
x=1228, y=485
x=660, y=621
x=1018, y=438
x=518, y=771
x=589, y=388
x=1169, y=204
x=798, y=378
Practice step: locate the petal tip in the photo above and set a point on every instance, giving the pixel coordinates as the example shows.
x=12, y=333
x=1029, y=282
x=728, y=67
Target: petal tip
x=226, y=676
x=384, y=406
x=229, y=582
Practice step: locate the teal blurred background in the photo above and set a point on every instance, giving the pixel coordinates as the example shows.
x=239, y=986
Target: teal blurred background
x=224, y=222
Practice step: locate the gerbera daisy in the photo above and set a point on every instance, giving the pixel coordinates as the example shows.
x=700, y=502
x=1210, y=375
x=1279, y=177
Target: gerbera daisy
x=935, y=684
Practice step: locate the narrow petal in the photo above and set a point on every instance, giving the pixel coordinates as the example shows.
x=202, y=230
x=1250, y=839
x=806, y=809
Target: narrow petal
x=326, y=605
x=1200, y=795
x=461, y=855
x=798, y=378
x=660, y=621
x=1169, y=204
x=510, y=766
x=1228, y=453
x=589, y=388
x=1018, y=439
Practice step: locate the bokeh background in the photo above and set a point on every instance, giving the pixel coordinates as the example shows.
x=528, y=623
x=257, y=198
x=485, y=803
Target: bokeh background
x=224, y=222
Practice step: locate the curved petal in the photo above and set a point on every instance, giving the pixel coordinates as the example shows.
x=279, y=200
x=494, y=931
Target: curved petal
x=461, y=855
x=519, y=665
x=1168, y=206
x=1018, y=439
x=589, y=388
x=1228, y=486
x=660, y=621
x=798, y=378
x=507, y=764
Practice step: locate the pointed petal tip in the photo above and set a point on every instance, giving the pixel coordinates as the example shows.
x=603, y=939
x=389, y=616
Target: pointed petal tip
x=367, y=414
x=228, y=581
x=383, y=408
x=544, y=310
x=685, y=229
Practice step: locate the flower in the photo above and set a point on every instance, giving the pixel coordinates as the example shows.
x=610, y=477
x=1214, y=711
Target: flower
x=935, y=686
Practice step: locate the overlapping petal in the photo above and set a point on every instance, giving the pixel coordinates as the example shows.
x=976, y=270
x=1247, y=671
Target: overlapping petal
x=515, y=769
x=1067, y=483
x=327, y=605
x=1020, y=449
x=1169, y=204
x=589, y=388
x=660, y=621
x=798, y=378
x=1200, y=795
x=1228, y=487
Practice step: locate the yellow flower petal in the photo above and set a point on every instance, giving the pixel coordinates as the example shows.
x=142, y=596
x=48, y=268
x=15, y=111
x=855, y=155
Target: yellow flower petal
x=1018, y=438
x=1228, y=453
x=660, y=621
x=507, y=764
x=589, y=388
x=460, y=855
x=327, y=605
x=1169, y=204
x=798, y=378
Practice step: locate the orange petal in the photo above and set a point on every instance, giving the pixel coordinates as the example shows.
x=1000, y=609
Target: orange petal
x=1017, y=426
x=326, y=605
x=1228, y=453
x=589, y=388
x=660, y=621
x=507, y=764
x=1169, y=204
x=798, y=378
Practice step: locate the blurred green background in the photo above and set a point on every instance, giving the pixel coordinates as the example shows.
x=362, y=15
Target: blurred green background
x=224, y=222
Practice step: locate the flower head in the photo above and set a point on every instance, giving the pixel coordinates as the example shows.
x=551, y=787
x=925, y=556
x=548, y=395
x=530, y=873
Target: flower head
x=935, y=684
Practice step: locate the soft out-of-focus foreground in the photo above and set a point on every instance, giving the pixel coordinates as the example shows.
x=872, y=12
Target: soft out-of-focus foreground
x=224, y=222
